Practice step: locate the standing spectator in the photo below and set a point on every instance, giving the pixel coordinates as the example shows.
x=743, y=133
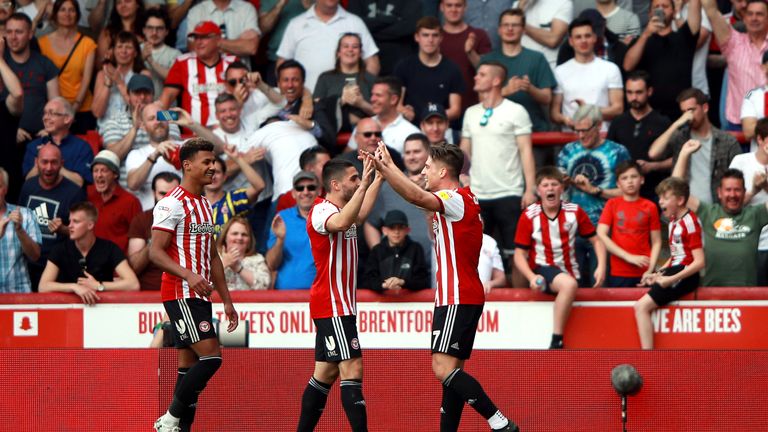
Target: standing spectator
x=699, y=72
x=237, y=20
x=753, y=107
x=619, y=20
x=718, y=148
x=463, y=45
x=11, y=108
x=434, y=124
x=485, y=15
x=311, y=160
x=140, y=232
x=244, y=269
x=428, y=76
x=637, y=128
x=497, y=137
x=368, y=135
x=586, y=79
x=274, y=16
x=116, y=206
x=158, y=57
x=546, y=25
x=77, y=155
x=590, y=164
x=490, y=267
x=667, y=55
x=198, y=76
x=309, y=39
x=391, y=24
x=75, y=56
x=126, y=16
x=49, y=195
x=19, y=240
x=257, y=100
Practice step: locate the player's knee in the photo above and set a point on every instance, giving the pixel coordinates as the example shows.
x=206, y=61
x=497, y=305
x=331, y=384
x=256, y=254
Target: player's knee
x=350, y=369
x=210, y=364
x=440, y=369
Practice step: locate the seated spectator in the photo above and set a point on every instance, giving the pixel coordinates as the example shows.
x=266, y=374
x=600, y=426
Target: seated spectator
x=753, y=107
x=110, y=94
x=85, y=264
x=75, y=56
x=545, y=256
x=397, y=261
x=309, y=39
x=547, y=22
x=731, y=230
x=257, y=100
x=347, y=85
x=116, y=206
x=237, y=20
x=680, y=274
x=368, y=135
x=76, y=153
x=290, y=254
x=19, y=240
x=140, y=232
x=244, y=269
x=126, y=16
x=718, y=147
x=158, y=57
x=630, y=229
x=49, y=195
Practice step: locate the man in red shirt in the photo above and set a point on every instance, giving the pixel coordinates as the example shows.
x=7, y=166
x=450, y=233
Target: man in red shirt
x=460, y=297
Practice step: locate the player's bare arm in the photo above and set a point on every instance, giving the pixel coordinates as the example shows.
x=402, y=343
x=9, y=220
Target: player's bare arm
x=402, y=184
x=370, y=198
x=157, y=254
x=344, y=219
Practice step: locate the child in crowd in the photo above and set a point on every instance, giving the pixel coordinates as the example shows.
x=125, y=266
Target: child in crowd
x=680, y=274
x=630, y=229
x=545, y=247
x=397, y=261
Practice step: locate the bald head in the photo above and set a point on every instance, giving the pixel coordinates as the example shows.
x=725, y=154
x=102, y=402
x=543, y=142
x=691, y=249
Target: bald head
x=48, y=152
x=48, y=164
x=368, y=134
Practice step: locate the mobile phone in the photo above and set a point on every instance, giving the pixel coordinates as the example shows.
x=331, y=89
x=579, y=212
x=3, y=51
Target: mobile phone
x=659, y=13
x=350, y=81
x=167, y=115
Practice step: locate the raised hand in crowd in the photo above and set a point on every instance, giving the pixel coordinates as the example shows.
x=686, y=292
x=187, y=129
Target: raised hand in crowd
x=278, y=227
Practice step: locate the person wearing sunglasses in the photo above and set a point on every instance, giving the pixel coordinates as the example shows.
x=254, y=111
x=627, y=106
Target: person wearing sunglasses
x=368, y=134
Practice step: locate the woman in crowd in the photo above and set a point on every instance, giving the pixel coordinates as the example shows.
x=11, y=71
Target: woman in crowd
x=127, y=15
x=243, y=267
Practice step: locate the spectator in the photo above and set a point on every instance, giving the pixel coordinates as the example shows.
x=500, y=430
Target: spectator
x=586, y=79
x=731, y=229
x=485, y=14
x=580, y=6
x=490, y=267
x=291, y=77
x=428, y=76
x=85, y=264
x=636, y=129
x=19, y=239
x=11, y=108
x=753, y=108
x=391, y=24
x=545, y=256
x=75, y=56
x=198, y=97
x=110, y=94
x=126, y=16
x=244, y=269
x=497, y=137
x=140, y=232
x=158, y=57
x=385, y=100
x=289, y=254
x=434, y=124
x=630, y=229
x=397, y=261
x=667, y=55
x=619, y=20
x=529, y=81
x=546, y=25
x=257, y=100
x=718, y=147
x=116, y=206
x=368, y=135
x=237, y=20
x=37, y=74
x=309, y=39
x=463, y=45
x=77, y=155
x=680, y=274
x=699, y=72
x=49, y=195
x=37, y=16
x=274, y=16
x=348, y=85
x=590, y=164
x=312, y=160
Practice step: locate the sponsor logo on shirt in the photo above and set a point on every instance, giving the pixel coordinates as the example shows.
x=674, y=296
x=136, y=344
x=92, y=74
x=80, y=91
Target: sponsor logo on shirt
x=198, y=88
x=203, y=228
x=728, y=229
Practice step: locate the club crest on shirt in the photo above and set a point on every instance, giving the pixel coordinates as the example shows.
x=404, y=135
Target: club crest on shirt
x=203, y=228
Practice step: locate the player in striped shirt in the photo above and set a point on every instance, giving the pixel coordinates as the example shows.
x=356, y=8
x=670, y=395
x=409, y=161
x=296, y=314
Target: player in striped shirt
x=332, y=225
x=183, y=247
x=546, y=247
x=680, y=274
x=459, y=297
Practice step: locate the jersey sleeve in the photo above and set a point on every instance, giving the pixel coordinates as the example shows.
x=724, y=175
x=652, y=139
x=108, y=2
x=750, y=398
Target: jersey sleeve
x=177, y=75
x=749, y=107
x=320, y=215
x=586, y=229
x=451, y=204
x=693, y=239
x=167, y=214
x=524, y=232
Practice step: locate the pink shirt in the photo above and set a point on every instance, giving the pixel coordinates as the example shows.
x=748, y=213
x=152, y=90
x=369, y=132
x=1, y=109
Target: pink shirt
x=744, y=71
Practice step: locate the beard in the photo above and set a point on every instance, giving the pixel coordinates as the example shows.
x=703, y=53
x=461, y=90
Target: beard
x=638, y=105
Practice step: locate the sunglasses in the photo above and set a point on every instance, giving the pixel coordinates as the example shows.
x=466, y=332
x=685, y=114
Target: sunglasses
x=233, y=82
x=370, y=134
x=302, y=188
x=486, y=116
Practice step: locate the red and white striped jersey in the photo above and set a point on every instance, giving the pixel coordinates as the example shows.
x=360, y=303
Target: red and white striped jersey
x=458, y=240
x=684, y=237
x=199, y=85
x=190, y=218
x=552, y=242
x=333, y=291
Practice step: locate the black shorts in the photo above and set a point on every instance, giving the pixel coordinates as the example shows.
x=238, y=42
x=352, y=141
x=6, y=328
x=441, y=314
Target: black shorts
x=662, y=296
x=549, y=273
x=192, y=321
x=454, y=328
x=336, y=339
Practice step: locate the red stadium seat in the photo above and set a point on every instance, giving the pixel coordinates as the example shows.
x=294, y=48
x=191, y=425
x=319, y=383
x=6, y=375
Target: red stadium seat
x=93, y=139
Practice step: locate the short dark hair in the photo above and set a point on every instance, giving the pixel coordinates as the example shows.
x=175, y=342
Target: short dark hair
x=732, y=173
x=640, y=75
x=549, y=172
x=158, y=13
x=292, y=64
x=18, y=16
x=694, y=93
x=237, y=64
x=224, y=97
x=512, y=12
x=417, y=136
x=757, y=1
x=309, y=156
x=394, y=84
x=676, y=185
x=450, y=155
x=194, y=146
x=580, y=22
x=627, y=165
x=499, y=65
x=333, y=169
x=429, y=23
x=761, y=128
x=165, y=176
x=87, y=207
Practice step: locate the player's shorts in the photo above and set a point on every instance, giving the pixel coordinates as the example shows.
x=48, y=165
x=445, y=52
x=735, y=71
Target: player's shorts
x=336, y=339
x=191, y=319
x=454, y=328
x=662, y=296
x=549, y=273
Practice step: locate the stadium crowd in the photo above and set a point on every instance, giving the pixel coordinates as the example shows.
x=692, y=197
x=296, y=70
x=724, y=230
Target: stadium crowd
x=98, y=95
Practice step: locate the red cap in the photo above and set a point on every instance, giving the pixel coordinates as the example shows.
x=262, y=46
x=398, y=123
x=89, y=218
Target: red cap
x=205, y=28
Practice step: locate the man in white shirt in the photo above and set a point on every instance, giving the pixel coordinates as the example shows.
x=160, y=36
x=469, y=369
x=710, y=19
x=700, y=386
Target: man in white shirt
x=546, y=23
x=753, y=107
x=237, y=20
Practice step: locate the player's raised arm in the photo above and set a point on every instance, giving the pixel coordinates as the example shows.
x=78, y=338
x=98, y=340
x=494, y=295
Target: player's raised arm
x=350, y=211
x=402, y=184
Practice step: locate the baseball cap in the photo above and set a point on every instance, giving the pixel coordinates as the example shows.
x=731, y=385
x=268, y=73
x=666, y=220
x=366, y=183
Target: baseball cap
x=140, y=82
x=303, y=175
x=434, y=109
x=109, y=159
x=206, y=28
x=395, y=217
